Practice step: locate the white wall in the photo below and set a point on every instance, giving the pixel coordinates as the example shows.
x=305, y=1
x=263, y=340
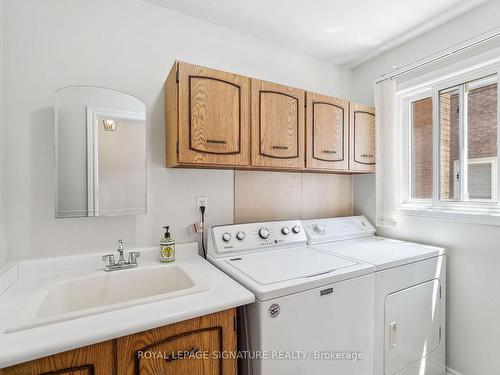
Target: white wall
x=473, y=250
x=3, y=154
x=127, y=45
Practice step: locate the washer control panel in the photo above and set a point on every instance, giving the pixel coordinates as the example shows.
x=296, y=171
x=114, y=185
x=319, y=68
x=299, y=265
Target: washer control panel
x=254, y=236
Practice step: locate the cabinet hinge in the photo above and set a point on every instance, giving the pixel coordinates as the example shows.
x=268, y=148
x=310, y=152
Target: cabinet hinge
x=439, y=333
x=177, y=76
x=439, y=292
x=177, y=146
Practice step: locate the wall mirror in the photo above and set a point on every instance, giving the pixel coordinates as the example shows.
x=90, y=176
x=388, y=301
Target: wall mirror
x=100, y=155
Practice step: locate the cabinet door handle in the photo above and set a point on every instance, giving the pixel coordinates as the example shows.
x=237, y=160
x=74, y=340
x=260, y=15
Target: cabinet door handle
x=392, y=335
x=182, y=355
x=329, y=151
x=366, y=155
x=280, y=147
x=216, y=141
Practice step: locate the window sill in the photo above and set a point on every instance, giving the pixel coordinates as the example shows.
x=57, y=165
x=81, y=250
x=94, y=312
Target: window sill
x=476, y=215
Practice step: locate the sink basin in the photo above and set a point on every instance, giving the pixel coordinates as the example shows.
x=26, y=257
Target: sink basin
x=81, y=296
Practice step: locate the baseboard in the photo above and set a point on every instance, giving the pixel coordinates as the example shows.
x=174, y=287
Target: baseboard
x=450, y=371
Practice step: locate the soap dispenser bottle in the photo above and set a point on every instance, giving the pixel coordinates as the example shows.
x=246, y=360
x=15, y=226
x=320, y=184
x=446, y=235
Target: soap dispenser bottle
x=167, y=247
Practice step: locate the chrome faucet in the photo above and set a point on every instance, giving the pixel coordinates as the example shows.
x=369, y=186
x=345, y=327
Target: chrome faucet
x=121, y=264
x=121, y=260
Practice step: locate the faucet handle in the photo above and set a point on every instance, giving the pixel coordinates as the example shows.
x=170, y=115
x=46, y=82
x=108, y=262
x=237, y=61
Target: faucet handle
x=132, y=257
x=110, y=258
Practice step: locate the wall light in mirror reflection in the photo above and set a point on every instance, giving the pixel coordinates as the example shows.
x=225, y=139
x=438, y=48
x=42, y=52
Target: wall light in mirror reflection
x=110, y=125
x=101, y=158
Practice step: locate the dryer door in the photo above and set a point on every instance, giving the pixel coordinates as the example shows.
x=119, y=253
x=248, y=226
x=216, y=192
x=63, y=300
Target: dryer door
x=412, y=325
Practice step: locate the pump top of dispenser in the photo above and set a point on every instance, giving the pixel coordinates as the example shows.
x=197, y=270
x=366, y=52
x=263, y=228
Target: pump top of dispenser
x=167, y=233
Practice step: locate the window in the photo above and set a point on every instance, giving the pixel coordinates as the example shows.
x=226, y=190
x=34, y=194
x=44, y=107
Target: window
x=450, y=142
x=468, y=140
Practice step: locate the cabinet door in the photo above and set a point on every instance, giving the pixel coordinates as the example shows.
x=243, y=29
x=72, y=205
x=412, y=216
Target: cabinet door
x=362, y=138
x=213, y=117
x=277, y=126
x=327, y=132
x=193, y=347
x=90, y=360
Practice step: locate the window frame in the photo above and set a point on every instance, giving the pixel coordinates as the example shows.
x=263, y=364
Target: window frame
x=462, y=209
x=492, y=161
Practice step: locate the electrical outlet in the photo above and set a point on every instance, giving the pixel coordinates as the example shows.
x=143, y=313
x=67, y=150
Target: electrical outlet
x=201, y=201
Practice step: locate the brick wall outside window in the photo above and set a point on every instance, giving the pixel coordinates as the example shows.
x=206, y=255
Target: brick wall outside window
x=482, y=137
x=422, y=149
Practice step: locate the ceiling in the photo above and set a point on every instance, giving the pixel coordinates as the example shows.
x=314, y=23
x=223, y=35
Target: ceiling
x=345, y=32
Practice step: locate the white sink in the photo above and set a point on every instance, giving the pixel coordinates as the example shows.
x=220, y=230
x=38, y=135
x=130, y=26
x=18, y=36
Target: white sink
x=104, y=291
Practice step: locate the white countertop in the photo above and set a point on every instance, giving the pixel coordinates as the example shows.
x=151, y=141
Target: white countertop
x=22, y=283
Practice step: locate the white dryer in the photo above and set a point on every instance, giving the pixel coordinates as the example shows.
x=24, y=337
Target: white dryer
x=410, y=287
x=313, y=310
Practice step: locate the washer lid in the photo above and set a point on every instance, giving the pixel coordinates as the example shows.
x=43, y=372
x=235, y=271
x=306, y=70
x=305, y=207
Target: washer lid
x=287, y=264
x=382, y=252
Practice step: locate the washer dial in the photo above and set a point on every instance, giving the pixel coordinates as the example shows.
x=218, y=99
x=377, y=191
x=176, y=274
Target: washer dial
x=263, y=233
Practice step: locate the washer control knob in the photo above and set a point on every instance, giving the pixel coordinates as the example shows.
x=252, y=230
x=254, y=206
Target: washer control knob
x=263, y=233
x=226, y=237
x=296, y=229
x=285, y=230
x=240, y=235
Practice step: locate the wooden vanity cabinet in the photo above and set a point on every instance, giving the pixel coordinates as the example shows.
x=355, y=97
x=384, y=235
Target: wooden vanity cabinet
x=362, y=138
x=277, y=126
x=207, y=117
x=189, y=347
x=95, y=359
x=327, y=133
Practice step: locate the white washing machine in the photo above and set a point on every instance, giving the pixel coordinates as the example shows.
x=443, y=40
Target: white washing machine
x=410, y=289
x=313, y=313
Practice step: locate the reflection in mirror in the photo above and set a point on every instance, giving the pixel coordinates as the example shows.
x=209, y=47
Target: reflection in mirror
x=100, y=153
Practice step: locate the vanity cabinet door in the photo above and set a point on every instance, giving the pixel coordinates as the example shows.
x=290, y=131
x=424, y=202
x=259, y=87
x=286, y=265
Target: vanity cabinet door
x=277, y=126
x=362, y=138
x=189, y=347
x=327, y=133
x=95, y=359
x=207, y=114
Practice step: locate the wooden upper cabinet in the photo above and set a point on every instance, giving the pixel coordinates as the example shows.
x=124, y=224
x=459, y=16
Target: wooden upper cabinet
x=277, y=126
x=217, y=119
x=207, y=117
x=362, y=138
x=327, y=133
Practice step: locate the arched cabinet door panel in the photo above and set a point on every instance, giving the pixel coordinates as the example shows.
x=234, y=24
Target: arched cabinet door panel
x=362, y=138
x=188, y=347
x=207, y=117
x=327, y=133
x=277, y=125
